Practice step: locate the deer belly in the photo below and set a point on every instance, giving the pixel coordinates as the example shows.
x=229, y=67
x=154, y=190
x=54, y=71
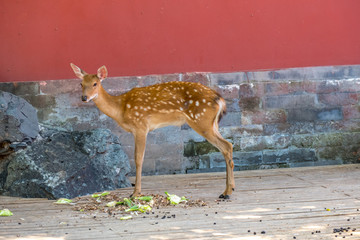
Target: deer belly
x=163, y=120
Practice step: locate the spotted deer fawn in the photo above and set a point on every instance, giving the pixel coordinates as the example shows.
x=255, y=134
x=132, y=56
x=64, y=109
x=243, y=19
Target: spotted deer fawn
x=142, y=110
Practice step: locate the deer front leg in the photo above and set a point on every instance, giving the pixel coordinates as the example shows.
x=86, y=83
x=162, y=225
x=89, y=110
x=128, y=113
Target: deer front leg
x=140, y=143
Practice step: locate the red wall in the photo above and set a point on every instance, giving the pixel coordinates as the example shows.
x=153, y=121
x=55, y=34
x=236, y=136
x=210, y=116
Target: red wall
x=138, y=37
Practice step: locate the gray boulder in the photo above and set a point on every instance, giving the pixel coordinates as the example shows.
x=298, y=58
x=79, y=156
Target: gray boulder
x=18, y=119
x=66, y=164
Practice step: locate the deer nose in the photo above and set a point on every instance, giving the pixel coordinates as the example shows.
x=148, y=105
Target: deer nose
x=84, y=98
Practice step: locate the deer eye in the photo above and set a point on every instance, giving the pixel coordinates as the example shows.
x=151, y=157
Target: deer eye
x=95, y=84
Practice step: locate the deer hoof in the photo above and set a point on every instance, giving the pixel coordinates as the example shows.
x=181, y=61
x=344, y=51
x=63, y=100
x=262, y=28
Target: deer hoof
x=224, y=196
x=135, y=195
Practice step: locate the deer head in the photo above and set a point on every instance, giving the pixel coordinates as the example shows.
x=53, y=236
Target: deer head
x=90, y=82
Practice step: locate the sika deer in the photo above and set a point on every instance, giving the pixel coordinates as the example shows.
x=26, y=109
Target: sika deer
x=142, y=110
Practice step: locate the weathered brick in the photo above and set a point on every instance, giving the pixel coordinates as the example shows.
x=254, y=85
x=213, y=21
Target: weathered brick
x=252, y=143
x=289, y=128
x=230, y=119
x=277, y=141
x=7, y=87
x=288, y=74
x=276, y=88
x=289, y=155
x=56, y=87
x=169, y=135
x=41, y=101
x=202, y=78
x=147, y=169
x=227, y=78
x=338, y=99
x=249, y=90
x=318, y=140
x=232, y=105
x=290, y=101
x=240, y=131
x=263, y=117
x=334, y=114
x=248, y=158
x=119, y=85
x=351, y=112
x=349, y=85
x=167, y=78
x=217, y=161
x=21, y=88
x=275, y=116
x=250, y=103
x=168, y=165
x=292, y=87
x=347, y=154
x=302, y=115
x=328, y=86
x=228, y=91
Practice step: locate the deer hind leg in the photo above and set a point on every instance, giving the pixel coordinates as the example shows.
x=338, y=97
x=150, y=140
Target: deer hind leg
x=209, y=130
x=140, y=144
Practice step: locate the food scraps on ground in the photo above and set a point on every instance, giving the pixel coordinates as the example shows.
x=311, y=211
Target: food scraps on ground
x=113, y=204
x=63, y=201
x=5, y=213
x=97, y=195
x=174, y=199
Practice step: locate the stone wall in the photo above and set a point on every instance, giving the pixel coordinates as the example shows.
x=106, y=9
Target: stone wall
x=285, y=118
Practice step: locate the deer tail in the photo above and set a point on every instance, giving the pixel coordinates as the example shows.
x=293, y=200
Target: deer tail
x=222, y=107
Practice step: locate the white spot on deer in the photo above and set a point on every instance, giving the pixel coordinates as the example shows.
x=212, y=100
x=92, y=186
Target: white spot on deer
x=191, y=101
x=209, y=103
x=181, y=109
x=136, y=107
x=197, y=103
x=204, y=110
x=128, y=105
x=204, y=100
x=137, y=114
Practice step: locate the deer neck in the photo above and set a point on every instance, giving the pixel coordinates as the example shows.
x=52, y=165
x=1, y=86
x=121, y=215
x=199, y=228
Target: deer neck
x=109, y=105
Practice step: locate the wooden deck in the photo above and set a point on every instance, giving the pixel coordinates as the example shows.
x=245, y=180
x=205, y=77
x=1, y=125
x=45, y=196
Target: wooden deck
x=301, y=203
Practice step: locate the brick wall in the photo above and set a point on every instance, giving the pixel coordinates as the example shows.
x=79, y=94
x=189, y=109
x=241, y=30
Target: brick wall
x=285, y=118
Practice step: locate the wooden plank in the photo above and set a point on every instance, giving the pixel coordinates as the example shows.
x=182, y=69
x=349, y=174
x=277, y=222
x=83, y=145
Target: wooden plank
x=284, y=203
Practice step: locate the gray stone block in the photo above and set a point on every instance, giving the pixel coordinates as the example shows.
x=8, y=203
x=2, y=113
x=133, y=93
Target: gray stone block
x=291, y=101
x=334, y=114
x=248, y=158
x=289, y=155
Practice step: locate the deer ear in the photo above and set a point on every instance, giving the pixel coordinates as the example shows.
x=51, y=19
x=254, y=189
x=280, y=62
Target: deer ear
x=78, y=71
x=102, y=73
